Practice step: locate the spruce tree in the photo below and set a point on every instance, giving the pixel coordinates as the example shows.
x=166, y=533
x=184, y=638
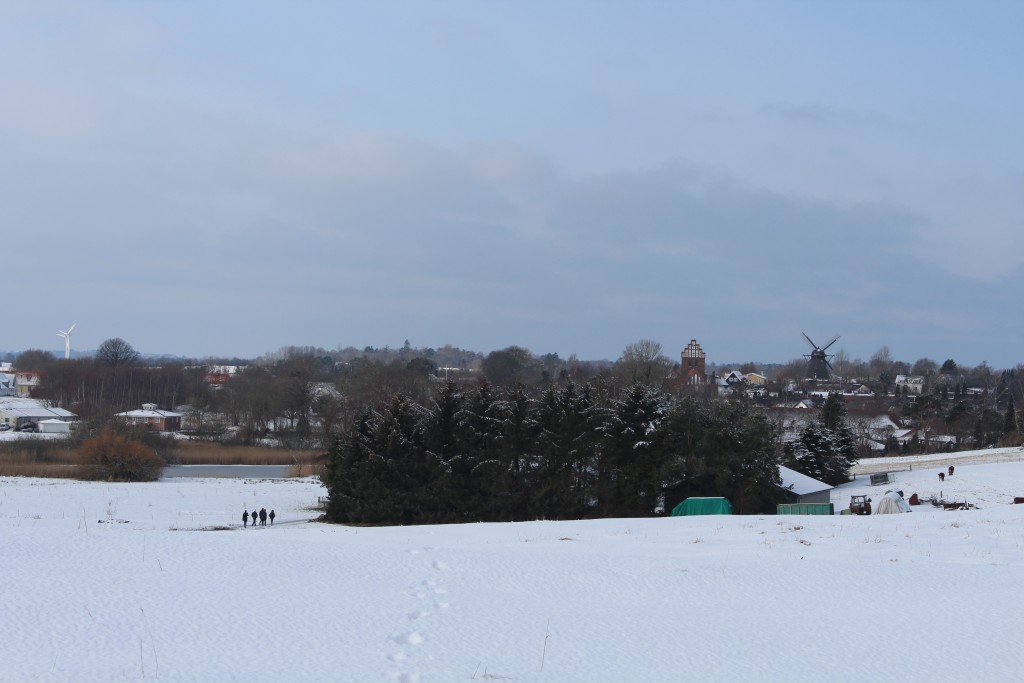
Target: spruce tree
x=826, y=449
x=567, y=417
x=1010, y=421
x=517, y=444
x=356, y=478
x=416, y=478
x=474, y=467
x=632, y=459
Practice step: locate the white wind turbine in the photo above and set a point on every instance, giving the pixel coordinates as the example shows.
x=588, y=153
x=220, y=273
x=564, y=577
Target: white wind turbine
x=67, y=341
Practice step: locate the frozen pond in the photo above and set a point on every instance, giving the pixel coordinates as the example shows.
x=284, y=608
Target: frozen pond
x=227, y=471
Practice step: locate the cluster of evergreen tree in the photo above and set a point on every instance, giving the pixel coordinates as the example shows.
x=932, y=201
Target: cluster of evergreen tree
x=826, y=448
x=575, y=450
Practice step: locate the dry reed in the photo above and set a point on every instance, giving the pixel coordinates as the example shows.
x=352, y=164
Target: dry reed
x=203, y=453
x=309, y=469
x=38, y=469
x=47, y=460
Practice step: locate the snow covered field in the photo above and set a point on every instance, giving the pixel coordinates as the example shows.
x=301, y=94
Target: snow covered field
x=104, y=582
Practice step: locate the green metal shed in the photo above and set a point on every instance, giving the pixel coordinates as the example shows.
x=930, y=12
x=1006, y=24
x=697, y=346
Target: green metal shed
x=702, y=506
x=805, y=509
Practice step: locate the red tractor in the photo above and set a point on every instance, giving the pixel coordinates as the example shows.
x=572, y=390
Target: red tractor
x=860, y=505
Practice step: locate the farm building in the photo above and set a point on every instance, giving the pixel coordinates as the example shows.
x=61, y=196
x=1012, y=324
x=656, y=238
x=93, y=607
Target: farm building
x=16, y=412
x=803, y=489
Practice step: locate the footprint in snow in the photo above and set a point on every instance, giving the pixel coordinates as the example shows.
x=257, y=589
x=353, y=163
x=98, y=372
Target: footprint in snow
x=417, y=614
x=409, y=677
x=439, y=565
x=408, y=638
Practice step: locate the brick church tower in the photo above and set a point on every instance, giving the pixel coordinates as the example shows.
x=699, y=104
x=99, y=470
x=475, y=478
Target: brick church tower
x=693, y=373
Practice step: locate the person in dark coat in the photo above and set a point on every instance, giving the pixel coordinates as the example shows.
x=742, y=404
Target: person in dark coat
x=951, y=470
x=271, y=518
x=245, y=518
x=263, y=516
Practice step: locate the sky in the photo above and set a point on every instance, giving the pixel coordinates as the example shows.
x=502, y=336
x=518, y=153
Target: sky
x=225, y=179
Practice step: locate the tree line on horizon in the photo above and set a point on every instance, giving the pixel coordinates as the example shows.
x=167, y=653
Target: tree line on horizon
x=306, y=396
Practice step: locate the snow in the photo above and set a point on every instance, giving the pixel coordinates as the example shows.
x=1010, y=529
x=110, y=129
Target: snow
x=12, y=435
x=962, y=457
x=105, y=582
x=799, y=483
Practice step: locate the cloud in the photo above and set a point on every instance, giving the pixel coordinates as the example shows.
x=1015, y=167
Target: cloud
x=364, y=237
x=829, y=115
x=159, y=189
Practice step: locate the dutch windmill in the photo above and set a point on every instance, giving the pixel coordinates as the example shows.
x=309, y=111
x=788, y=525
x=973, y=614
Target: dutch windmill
x=819, y=363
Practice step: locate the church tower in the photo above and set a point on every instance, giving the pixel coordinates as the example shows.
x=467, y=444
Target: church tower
x=694, y=373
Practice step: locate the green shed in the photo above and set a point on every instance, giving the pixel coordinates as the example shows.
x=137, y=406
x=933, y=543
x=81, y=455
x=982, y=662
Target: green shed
x=805, y=509
x=702, y=506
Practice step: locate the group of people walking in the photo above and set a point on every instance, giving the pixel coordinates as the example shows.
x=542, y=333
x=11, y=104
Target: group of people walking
x=258, y=518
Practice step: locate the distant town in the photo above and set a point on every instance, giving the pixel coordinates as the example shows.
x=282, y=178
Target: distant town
x=305, y=396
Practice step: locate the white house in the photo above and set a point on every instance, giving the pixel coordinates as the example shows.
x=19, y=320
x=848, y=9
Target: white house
x=154, y=418
x=8, y=384
x=25, y=382
x=910, y=384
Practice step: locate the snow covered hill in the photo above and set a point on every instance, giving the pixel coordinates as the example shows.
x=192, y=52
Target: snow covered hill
x=105, y=582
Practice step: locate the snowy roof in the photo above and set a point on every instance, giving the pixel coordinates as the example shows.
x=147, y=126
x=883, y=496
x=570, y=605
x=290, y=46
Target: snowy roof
x=804, y=404
x=801, y=484
x=31, y=408
x=149, y=413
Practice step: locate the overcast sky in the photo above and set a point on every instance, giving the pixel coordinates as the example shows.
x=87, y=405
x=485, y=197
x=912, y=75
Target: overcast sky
x=227, y=178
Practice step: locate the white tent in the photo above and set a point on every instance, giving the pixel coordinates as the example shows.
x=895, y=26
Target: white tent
x=892, y=503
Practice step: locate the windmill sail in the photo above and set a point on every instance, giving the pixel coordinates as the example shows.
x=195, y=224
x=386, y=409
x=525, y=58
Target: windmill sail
x=819, y=364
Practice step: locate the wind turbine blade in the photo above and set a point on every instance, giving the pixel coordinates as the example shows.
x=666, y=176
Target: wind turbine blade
x=73, y=327
x=833, y=341
x=813, y=345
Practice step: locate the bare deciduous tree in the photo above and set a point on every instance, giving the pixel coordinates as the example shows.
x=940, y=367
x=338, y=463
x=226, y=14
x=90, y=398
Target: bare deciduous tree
x=642, y=362
x=116, y=351
x=507, y=366
x=34, y=360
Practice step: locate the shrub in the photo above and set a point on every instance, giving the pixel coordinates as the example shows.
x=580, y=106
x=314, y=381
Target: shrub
x=111, y=457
